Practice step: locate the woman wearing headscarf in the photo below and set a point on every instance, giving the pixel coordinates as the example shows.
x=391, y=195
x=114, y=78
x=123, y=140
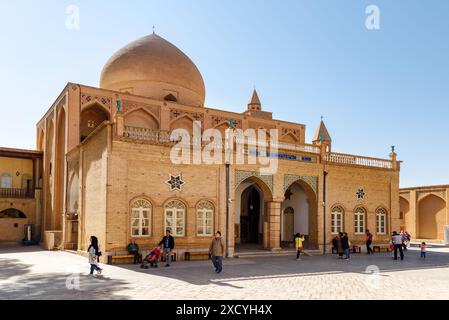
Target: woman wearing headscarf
x=94, y=255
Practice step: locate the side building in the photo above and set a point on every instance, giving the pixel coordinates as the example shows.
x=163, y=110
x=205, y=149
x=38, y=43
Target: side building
x=425, y=212
x=20, y=194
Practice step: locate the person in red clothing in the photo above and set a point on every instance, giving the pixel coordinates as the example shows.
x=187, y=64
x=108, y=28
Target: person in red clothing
x=369, y=241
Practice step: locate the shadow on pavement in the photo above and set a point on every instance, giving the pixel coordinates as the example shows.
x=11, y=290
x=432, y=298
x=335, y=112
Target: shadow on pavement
x=201, y=272
x=54, y=286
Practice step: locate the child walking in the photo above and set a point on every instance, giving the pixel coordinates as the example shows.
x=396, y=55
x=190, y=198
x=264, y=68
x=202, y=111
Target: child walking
x=94, y=255
x=423, y=247
x=299, y=239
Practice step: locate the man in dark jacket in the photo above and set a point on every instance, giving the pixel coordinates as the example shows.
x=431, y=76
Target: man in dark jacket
x=168, y=243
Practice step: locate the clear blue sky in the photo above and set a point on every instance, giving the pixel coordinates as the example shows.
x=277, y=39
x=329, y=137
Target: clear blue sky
x=306, y=58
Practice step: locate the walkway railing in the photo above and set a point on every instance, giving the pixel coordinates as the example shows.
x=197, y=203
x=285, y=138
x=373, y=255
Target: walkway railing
x=341, y=158
x=16, y=193
x=144, y=134
x=163, y=137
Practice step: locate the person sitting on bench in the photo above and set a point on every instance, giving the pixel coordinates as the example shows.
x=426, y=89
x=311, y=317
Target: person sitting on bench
x=133, y=249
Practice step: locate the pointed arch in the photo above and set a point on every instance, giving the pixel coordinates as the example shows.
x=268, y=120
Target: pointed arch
x=59, y=167
x=185, y=122
x=431, y=217
x=91, y=117
x=142, y=118
x=289, y=138
x=41, y=140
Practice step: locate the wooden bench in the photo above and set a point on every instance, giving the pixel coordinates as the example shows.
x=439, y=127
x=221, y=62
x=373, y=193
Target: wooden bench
x=189, y=254
x=125, y=259
x=381, y=248
x=173, y=257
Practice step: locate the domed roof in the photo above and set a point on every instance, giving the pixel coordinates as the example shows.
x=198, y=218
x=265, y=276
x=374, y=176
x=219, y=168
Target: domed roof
x=153, y=67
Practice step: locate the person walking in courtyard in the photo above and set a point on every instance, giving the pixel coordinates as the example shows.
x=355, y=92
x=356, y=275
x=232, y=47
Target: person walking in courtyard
x=168, y=243
x=346, y=246
x=299, y=239
x=369, y=241
x=339, y=245
x=404, y=240
x=423, y=247
x=94, y=255
x=396, y=238
x=217, y=249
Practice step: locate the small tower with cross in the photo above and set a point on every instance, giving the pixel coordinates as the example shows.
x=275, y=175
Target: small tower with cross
x=322, y=137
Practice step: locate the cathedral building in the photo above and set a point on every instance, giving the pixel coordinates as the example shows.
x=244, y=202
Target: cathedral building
x=107, y=170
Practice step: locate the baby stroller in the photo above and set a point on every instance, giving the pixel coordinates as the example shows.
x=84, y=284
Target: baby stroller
x=152, y=258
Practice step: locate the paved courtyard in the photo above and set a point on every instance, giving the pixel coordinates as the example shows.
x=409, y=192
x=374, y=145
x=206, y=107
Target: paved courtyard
x=30, y=273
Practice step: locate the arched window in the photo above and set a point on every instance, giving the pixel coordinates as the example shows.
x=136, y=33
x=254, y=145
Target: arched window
x=337, y=220
x=205, y=219
x=6, y=180
x=141, y=211
x=175, y=212
x=359, y=221
x=381, y=221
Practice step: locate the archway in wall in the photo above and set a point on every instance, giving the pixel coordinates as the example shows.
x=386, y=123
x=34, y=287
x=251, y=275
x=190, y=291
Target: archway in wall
x=404, y=210
x=59, y=167
x=299, y=215
x=431, y=217
x=140, y=118
x=41, y=140
x=49, y=165
x=91, y=118
x=251, y=198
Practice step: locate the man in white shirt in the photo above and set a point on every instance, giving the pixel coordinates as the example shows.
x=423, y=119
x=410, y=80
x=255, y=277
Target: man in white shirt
x=396, y=238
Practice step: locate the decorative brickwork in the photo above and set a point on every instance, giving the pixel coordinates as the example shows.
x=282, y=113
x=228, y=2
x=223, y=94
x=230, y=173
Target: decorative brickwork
x=289, y=179
x=241, y=176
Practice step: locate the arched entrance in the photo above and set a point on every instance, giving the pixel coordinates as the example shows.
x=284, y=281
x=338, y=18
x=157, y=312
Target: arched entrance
x=299, y=215
x=431, y=217
x=251, y=197
x=250, y=215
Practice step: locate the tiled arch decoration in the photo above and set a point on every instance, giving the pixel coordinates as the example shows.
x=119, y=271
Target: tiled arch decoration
x=289, y=179
x=241, y=176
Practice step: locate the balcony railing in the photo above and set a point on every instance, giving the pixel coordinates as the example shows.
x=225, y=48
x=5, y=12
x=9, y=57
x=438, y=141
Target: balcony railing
x=16, y=193
x=341, y=158
x=153, y=136
x=163, y=137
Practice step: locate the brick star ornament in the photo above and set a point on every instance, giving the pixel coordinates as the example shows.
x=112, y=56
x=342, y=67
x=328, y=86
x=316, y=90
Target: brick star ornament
x=360, y=194
x=175, y=182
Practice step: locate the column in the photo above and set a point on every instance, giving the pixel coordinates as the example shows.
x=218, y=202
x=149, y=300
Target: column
x=274, y=225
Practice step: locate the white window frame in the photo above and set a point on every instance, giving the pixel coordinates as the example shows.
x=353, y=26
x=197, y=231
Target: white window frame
x=6, y=181
x=381, y=214
x=204, y=209
x=336, y=215
x=359, y=221
x=178, y=214
x=139, y=207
